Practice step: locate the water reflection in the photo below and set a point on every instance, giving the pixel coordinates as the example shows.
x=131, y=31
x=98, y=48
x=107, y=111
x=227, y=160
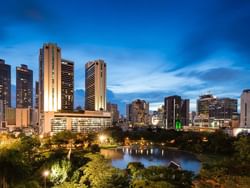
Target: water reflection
x=151, y=156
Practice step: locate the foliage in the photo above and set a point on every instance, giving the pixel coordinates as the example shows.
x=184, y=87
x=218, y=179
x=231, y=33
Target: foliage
x=99, y=173
x=177, y=178
x=94, y=148
x=133, y=167
x=242, y=147
x=59, y=171
x=151, y=184
x=13, y=166
x=63, y=138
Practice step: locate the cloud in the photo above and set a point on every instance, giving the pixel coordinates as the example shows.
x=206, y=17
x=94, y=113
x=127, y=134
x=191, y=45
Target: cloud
x=223, y=25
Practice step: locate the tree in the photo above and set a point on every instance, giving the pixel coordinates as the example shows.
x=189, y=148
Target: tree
x=59, y=171
x=28, y=145
x=13, y=167
x=242, y=147
x=133, y=167
x=99, y=173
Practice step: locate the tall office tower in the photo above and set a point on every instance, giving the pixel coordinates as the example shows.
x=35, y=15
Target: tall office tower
x=5, y=86
x=37, y=95
x=67, y=75
x=203, y=104
x=49, y=78
x=138, y=112
x=176, y=112
x=245, y=108
x=95, y=86
x=24, y=87
x=113, y=108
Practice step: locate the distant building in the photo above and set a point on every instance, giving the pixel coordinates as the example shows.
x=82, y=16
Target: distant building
x=95, y=85
x=223, y=108
x=245, y=108
x=215, y=112
x=113, y=109
x=18, y=117
x=157, y=118
x=203, y=104
x=67, y=76
x=138, y=112
x=37, y=95
x=176, y=112
x=191, y=117
x=24, y=87
x=5, y=85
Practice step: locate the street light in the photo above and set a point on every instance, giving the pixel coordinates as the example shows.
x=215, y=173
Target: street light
x=45, y=174
x=102, y=138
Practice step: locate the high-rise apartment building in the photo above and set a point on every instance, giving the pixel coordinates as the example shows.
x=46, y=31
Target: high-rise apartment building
x=176, y=112
x=245, y=108
x=5, y=87
x=67, y=76
x=138, y=112
x=50, y=78
x=95, y=85
x=24, y=87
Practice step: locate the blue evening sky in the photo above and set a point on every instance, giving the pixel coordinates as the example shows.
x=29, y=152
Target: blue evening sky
x=153, y=48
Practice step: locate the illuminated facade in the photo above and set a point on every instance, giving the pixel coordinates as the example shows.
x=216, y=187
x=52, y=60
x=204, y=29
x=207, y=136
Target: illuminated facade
x=245, y=108
x=203, y=104
x=24, y=87
x=138, y=112
x=49, y=78
x=176, y=112
x=88, y=121
x=5, y=86
x=95, y=85
x=67, y=76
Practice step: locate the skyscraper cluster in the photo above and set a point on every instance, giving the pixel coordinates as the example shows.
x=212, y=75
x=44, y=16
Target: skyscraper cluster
x=53, y=107
x=54, y=95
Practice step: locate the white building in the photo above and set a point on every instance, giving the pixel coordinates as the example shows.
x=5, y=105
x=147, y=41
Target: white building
x=245, y=108
x=95, y=85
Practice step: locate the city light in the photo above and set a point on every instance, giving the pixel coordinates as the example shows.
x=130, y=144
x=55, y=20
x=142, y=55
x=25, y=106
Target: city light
x=45, y=173
x=102, y=138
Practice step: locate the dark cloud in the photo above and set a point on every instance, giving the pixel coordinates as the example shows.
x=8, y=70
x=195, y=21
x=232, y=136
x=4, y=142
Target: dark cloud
x=224, y=26
x=220, y=75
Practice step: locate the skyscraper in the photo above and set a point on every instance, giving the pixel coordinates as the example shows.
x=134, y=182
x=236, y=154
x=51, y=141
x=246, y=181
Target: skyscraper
x=5, y=86
x=24, y=87
x=95, y=85
x=67, y=75
x=245, y=108
x=49, y=78
x=176, y=112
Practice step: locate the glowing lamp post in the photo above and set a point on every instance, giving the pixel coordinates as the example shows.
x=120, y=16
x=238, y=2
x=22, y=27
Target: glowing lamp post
x=102, y=138
x=45, y=174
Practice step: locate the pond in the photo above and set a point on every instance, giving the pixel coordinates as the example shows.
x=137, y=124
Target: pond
x=153, y=156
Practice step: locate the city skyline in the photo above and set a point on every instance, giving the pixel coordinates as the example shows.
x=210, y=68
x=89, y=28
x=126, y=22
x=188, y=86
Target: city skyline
x=152, y=52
